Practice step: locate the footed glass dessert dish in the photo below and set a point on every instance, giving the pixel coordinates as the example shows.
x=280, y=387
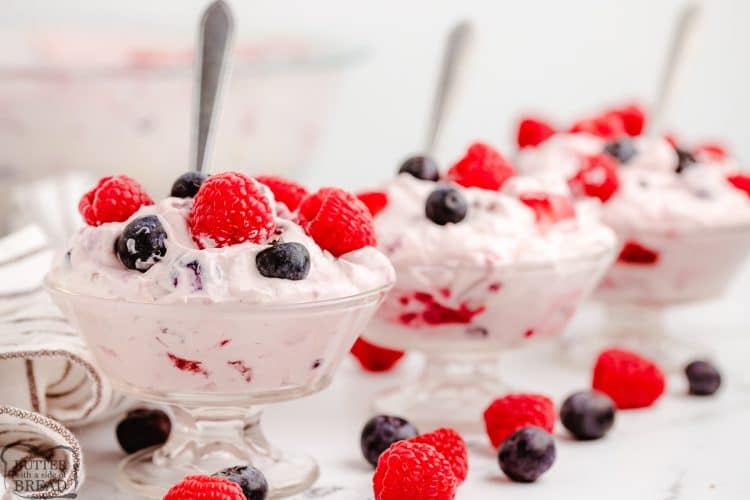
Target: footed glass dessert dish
x=216, y=365
x=463, y=318
x=656, y=271
x=681, y=212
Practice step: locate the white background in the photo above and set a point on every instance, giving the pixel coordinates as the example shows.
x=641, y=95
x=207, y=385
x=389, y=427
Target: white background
x=563, y=57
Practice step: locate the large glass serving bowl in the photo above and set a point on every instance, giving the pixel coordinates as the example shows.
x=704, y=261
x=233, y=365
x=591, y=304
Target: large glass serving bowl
x=679, y=267
x=100, y=103
x=216, y=365
x=463, y=318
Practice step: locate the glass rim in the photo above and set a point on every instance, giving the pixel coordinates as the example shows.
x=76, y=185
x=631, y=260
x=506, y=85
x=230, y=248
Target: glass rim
x=323, y=56
x=528, y=266
x=706, y=231
x=230, y=307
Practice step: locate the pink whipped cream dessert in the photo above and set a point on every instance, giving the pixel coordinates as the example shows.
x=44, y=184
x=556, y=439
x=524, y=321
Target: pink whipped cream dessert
x=475, y=245
x=667, y=203
x=230, y=285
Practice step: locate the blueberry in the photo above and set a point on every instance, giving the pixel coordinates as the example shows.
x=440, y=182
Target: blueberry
x=621, y=150
x=446, y=204
x=142, y=428
x=527, y=454
x=421, y=167
x=251, y=480
x=588, y=414
x=187, y=185
x=289, y=261
x=142, y=243
x=703, y=377
x=684, y=160
x=382, y=431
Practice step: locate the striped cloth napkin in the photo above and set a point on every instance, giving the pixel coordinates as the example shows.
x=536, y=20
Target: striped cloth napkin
x=48, y=376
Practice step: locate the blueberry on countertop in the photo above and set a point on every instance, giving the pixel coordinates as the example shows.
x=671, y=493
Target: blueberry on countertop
x=588, y=414
x=142, y=428
x=703, y=378
x=251, y=480
x=187, y=185
x=382, y=431
x=527, y=454
x=421, y=167
x=289, y=261
x=446, y=204
x=142, y=243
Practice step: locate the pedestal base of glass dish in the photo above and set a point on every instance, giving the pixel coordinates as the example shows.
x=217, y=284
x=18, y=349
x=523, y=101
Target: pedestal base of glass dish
x=206, y=440
x=637, y=327
x=452, y=390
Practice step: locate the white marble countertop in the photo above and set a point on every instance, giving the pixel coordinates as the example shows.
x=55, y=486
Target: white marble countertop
x=683, y=448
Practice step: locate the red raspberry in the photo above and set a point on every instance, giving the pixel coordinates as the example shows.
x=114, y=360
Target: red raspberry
x=607, y=126
x=114, y=199
x=452, y=446
x=287, y=192
x=633, y=119
x=549, y=208
x=205, y=488
x=533, y=132
x=635, y=253
x=482, y=167
x=375, y=201
x=741, y=182
x=630, y=380
x=310, y=204
x=338, y=221
x=230, y=208
x=597, y=178
x=712, y=150
x=514, y=411
x=413, y=470
x=375, y=358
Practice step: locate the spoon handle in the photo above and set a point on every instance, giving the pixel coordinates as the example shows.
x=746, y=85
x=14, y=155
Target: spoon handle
x=683, y=33
x=456, y=49
x=214, y=42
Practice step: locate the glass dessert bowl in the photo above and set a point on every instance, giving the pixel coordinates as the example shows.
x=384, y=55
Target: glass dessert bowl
x=215, y=365
x=485, y=261
x=681, y=214
x=658, y=270
x=216, y=300
x=462, y=318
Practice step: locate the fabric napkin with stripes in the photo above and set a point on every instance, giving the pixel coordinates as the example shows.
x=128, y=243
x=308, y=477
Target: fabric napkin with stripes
x=45, y=365
x=46, y=369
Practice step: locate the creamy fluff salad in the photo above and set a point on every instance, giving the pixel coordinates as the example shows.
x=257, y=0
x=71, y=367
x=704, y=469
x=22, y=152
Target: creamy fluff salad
x=159, y=254
x=666, y=202
x=526, y=221
x=190, y=285
x=474, y=243
x=643, y=182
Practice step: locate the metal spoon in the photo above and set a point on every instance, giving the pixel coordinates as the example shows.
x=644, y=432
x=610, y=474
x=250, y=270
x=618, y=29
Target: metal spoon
x=212, y=64
x=681, y=37
x=454, y=57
